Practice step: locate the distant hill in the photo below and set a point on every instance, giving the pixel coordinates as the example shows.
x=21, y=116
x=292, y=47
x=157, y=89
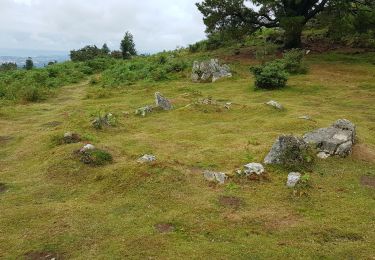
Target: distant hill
x=39, y=61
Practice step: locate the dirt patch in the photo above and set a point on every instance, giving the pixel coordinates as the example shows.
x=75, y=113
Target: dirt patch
x=3, y=188
x=52, y=124
x=164, y=228
x=363, y=153
x=5, y=139
x=230, y=202
x=368, y=181
x=42, y=256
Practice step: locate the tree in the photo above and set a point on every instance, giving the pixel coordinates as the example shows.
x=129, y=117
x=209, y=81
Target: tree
x=128, y=46
x=8, y=66
x=246, y=16
x=29, y=64
x=88, y=52
x=105, y=49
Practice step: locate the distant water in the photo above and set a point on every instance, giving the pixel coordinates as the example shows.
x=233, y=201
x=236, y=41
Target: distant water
x=39, y=61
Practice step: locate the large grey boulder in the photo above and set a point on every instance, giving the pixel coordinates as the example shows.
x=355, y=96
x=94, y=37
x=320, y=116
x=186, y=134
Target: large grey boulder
x=337, y=139
x=288, y=150
x=162, y=102
x=209, y=71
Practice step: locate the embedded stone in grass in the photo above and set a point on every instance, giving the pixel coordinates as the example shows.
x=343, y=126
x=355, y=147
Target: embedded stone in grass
x=147, y=158
x=3, y=187
x=218, y=177
x=39, y=255
x=230, y=202
x=5, y=139
x=87, y=147
x=323, y=155
x=164, y=227
x=52, y=124
x=93, y=156
x=254, y=168
x=143, y=111
x=368, y=181
x=275, y=104
x=308, y=118
x=337, y=139
x=289, y=151
x=293, y=179
x=70, y=138
x=162, y=102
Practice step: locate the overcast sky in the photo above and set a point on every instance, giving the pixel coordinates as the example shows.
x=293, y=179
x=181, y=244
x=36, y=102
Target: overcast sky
x=62, y=25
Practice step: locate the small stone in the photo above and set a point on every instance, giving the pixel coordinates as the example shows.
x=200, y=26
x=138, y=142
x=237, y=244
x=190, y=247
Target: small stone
x=308, y=118
x=323, y=155
x=254, y=168
x=87, y=147
x=147, y=158
x=293, y=179
x=143, y=111
x=275, y=104
x=68, y=135
x=215, y=176
x=162, y=102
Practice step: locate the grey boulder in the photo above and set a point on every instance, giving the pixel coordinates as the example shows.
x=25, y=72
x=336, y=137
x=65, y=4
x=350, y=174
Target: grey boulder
x=287, y=149
x=147, y=158
x=253, y=168
x=209, y=71
x=162, y=102
x=337, y=139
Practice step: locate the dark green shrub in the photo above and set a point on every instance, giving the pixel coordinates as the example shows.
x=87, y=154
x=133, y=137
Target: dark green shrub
x=96, y=157
x=271, y=75
x=293, y=61
x=33, y=94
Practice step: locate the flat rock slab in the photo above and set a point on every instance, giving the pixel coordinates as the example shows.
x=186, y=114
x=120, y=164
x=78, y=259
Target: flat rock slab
x=52, y=124
x=164, y=227
x=337, y=139
x=368, y=181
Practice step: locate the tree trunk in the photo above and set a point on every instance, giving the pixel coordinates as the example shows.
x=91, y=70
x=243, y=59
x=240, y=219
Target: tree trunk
x=293, y=27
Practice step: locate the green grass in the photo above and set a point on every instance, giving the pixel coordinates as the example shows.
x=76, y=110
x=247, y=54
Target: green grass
x=55, y=203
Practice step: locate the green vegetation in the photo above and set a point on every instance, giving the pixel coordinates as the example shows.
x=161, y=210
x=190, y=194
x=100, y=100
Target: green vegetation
x=127, y=46
x=56, y=203
x=271, y=75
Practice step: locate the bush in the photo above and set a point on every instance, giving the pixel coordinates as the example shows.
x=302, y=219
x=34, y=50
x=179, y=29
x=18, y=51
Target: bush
x=293, y=61
x=272, y=75
x=96, y=157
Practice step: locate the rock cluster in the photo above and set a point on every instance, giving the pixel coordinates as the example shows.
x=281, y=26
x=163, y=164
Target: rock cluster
x=254, y=168
x=209, y=71
x=337, y=139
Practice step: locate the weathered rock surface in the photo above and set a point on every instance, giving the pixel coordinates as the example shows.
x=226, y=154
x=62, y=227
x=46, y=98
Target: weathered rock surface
x=254, y=168
x=275, y=104
x=162, y=102
x=215, y=176
x=293, y=179
x=70, y=138
x=147, y=158
x=287, y=150
x=143, y=111
x=209, y=71
x=86, y=148
x=337, y=139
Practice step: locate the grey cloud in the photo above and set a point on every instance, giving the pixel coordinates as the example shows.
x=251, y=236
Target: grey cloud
x=69, y=24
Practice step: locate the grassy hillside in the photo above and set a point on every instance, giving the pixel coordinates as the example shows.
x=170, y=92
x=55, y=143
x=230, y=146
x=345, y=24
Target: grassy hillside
x=52, y=204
